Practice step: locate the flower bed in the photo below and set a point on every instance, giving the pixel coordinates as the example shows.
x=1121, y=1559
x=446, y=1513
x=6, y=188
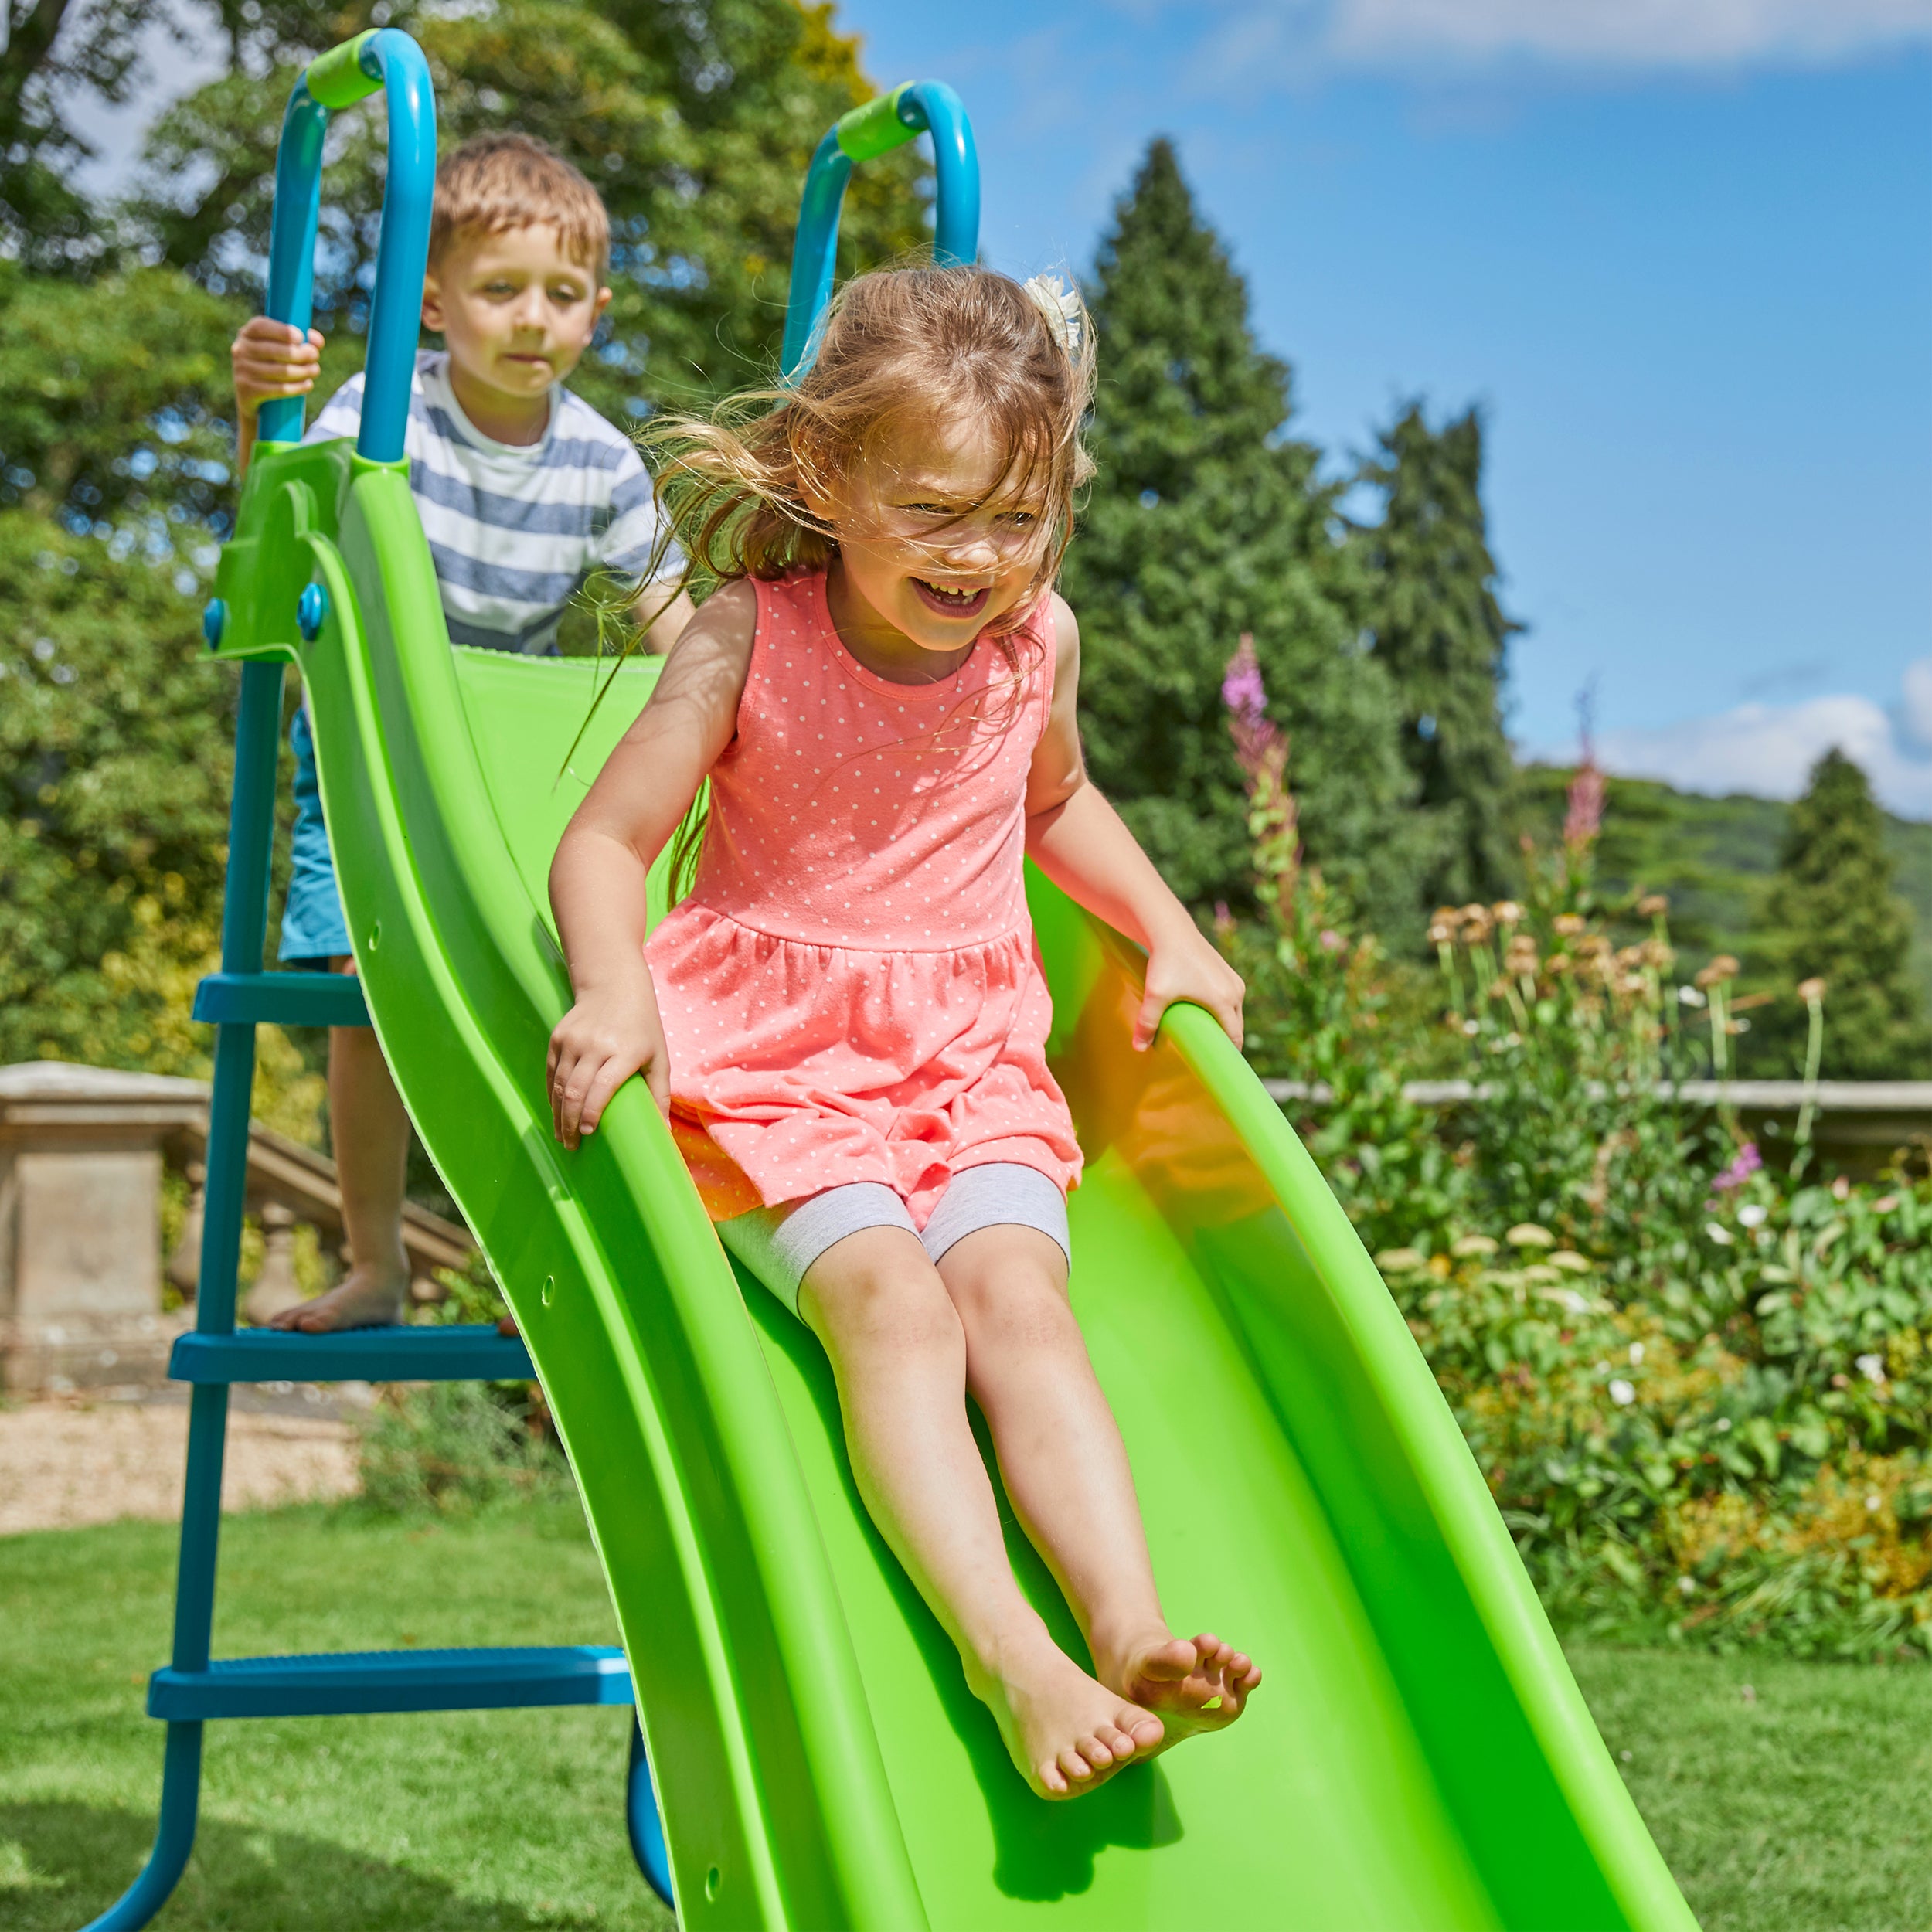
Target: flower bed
x=1697, y=1380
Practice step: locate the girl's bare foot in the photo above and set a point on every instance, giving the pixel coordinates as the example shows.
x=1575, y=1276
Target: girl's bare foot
x=1192, y=1687
x=1067, y=1734
x=363, y=1298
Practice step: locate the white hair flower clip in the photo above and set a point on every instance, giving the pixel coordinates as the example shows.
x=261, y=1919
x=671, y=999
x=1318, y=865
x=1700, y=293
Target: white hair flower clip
x=1061, y=304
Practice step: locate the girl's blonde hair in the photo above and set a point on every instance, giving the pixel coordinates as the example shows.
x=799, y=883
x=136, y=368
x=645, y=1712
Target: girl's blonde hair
x=901, y=349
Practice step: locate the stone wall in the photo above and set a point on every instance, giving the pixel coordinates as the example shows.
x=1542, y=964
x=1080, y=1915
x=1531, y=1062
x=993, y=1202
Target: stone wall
x=82, y=1153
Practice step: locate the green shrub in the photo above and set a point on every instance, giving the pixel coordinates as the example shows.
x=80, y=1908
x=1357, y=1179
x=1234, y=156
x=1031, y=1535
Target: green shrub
x=453, y=1448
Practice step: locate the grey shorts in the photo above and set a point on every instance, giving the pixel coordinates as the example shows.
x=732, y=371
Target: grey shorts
x=779, y=1243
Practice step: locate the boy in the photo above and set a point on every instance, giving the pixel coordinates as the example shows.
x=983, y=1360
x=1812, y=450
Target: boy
x=524, y=490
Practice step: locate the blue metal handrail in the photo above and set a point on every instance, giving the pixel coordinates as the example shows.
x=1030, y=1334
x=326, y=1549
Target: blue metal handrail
x=918, y=107
x=388, y=58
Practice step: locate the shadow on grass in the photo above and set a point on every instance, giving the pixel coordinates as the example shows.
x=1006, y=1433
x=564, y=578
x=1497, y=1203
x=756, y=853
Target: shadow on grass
x=62, y=1865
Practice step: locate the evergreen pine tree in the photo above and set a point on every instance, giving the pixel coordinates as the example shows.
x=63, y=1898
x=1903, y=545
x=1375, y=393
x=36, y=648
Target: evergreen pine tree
x=1205, y=521
x=1836, y=918
x=1438, y=628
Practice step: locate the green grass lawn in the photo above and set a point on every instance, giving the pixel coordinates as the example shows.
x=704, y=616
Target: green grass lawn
x=1808, y=1808
x=468, y=1822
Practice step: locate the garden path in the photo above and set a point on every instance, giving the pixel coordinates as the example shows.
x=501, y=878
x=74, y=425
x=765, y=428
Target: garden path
x=65, y=1462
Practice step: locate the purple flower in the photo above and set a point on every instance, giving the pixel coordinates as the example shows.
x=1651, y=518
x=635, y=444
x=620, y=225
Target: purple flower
x=1241, y=690
x=1584, y=819
x=1258, y=742
x=1741, y=1169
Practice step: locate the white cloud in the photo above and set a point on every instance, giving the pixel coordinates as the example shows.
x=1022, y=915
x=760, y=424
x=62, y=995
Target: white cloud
x=1769, y=749
x=1621, y=34
x=1915, y=709
x=1669, y=33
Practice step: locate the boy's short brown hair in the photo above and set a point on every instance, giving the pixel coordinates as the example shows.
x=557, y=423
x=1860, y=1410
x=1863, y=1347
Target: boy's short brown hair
x=496, y=182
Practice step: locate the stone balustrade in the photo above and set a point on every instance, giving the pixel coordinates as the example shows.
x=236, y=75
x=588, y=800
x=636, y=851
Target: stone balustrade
x=82, y=1150
x=1857, y=1126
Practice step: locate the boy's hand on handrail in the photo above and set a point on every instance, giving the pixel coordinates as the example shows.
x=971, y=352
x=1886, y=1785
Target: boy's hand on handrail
x=271, y=360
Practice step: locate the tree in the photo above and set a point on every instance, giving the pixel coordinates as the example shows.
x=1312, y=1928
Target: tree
x=116, y=737
x=1437, y=627
x=1834, y=915
x=116, y=727
x=114, y=746
x=1206, y=521
x=56, y=53
x=114, y=402
x=696, y=122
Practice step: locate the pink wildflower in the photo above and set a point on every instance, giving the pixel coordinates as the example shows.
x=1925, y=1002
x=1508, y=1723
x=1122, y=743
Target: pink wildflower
x=1741, y=1169
x=1585, y=816
x=1258, y=741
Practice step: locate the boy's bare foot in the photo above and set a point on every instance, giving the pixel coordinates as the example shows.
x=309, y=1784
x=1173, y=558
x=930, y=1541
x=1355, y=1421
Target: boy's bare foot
x=1192, y=1687
x=1067, y=1734
x=363, y=1298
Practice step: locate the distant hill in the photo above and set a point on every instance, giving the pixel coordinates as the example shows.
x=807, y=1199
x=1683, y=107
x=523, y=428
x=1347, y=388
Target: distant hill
x=1714, y=857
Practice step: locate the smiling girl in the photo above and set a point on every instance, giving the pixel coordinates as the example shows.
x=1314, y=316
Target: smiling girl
x=846, y=1017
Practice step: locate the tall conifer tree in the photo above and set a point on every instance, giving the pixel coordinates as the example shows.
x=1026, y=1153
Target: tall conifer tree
x=1837, y=918
x=1437, y=628
x=1205, y=521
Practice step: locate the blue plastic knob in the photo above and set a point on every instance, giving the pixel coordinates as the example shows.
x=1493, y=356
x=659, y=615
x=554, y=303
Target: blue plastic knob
x=311, y=608
x=214, y=621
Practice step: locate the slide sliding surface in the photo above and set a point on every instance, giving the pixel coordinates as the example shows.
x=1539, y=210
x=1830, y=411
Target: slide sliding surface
x=1418, y=1757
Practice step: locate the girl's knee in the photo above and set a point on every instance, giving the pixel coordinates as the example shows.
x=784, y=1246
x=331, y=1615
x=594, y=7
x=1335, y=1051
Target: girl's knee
x=902, y=1309
x=1014, y=1308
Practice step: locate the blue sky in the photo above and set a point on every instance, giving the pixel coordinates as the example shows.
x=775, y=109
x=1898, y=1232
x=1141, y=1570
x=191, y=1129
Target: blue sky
x=1677, y=249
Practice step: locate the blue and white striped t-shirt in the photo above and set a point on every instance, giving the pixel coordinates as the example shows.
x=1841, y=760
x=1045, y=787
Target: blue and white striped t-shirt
x=515, y=530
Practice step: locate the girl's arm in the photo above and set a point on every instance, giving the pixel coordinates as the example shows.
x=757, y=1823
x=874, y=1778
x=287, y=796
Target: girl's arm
x=1077, y=839
x=598, y=877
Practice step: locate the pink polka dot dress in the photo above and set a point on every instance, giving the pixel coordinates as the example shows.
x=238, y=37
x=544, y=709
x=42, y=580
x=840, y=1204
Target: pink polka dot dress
x=852, y=992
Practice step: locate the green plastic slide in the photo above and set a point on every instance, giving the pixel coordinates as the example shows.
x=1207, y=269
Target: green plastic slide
x=1418, y=1755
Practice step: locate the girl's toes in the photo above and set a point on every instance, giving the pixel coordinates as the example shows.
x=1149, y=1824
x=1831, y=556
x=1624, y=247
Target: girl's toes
x=1096, y=1753
x=1073, y=1766
x=1120, y=1743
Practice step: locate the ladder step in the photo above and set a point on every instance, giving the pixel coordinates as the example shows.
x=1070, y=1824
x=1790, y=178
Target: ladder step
x=463, y=1351
x=290, y=999
x=362, y=1682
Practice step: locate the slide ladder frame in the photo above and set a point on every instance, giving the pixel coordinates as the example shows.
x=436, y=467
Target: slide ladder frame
x=194, y=1687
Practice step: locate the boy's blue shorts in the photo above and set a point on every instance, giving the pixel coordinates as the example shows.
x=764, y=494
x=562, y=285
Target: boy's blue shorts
x=314, y=930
